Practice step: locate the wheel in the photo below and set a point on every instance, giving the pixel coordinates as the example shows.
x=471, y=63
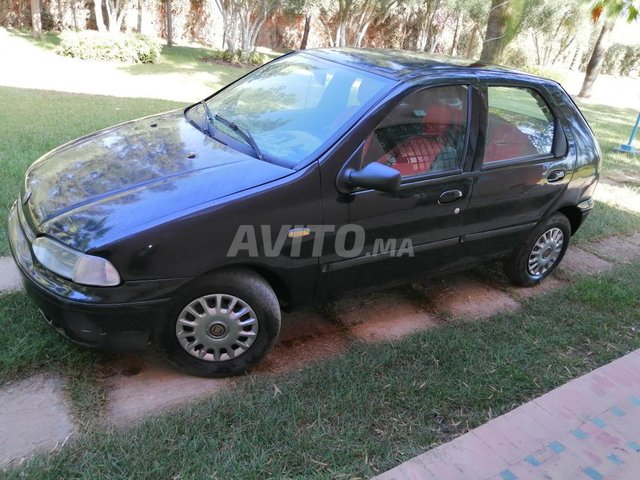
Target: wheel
x=540, y=253
x=223, y=325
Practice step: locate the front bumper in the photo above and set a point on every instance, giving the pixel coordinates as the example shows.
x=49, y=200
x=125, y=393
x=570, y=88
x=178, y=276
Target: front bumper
x=114, y=318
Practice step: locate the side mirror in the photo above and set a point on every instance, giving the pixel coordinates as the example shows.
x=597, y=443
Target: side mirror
x=376, y=176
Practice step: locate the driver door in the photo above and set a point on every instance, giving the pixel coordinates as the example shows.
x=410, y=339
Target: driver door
x=416, y=230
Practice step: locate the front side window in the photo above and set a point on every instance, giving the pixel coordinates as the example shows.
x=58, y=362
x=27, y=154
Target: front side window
x=520, y=124
x=293, y=105
x=424, y=134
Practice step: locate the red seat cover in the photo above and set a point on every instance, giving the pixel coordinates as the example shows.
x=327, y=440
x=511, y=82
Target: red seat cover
x=416, y=154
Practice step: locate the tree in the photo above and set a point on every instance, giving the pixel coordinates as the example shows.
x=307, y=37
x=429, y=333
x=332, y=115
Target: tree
x=243, y=21
x=116, y=11
x=36, y=19
x=169, y=24
x=308, y=8
x=555, y=27
x=612, y=9
x=504, y=23
x=347, y=21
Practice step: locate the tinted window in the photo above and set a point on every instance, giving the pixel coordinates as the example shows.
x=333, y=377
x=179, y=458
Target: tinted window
x=425, y=133
x=520, y=124
x=293, y=105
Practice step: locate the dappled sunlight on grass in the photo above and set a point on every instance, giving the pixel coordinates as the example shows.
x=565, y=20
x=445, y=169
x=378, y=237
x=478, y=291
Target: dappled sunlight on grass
x=623, y=197
x=617, y=211
x=179, y=75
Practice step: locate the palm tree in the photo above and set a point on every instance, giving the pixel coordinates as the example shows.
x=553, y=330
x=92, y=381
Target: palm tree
x=612, y=9
x=504, y=23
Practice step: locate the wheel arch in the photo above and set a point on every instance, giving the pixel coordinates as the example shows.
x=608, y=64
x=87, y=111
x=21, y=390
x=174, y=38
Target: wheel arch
x=574, y=215
x=275, y=281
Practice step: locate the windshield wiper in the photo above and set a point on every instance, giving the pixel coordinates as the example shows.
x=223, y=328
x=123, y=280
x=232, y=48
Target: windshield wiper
x=208, y=117
x=243, y=132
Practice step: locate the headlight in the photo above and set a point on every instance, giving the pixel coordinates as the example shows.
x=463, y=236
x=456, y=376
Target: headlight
x=76, y=266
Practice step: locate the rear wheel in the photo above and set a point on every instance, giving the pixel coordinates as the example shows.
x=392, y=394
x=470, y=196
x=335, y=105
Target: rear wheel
x=224, y=325
x=540, y=253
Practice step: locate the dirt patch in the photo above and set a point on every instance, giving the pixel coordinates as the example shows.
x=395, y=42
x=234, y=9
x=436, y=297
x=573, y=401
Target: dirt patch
x=546, y=286
x=146, y=386
x=304, y=322
x=383, y=317
x=292, y=355
x=616, y=250
x=617, y=177
x=462, y=296
x=581, y=262
x=33, y=418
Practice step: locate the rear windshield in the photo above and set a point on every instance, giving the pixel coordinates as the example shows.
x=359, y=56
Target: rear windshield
x=293, y=106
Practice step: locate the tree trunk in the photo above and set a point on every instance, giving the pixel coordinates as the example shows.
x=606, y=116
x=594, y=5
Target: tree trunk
x=169, y=24
x=472, y=42
x=575, y=63
x=140, y=10
x=305, y=34
x=97, y=8
x=454, y=42
x=36, y=19
x=361, y=34
x=496, y=28
x=597, y=57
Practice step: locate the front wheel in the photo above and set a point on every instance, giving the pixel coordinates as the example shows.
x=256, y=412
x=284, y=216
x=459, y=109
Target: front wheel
x=540, y=253
x=224, y=325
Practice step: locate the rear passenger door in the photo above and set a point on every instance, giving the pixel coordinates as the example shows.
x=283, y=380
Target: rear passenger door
x=523, y=168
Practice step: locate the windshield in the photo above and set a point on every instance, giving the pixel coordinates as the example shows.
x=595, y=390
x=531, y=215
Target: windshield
x=292, y=106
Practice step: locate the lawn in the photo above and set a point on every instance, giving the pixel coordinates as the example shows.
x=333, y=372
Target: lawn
x=378, y=405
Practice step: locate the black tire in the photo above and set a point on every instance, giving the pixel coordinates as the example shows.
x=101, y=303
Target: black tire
x=250, y=288
x=517, y=266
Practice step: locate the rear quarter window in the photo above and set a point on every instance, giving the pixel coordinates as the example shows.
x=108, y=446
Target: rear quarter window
x=520, y=124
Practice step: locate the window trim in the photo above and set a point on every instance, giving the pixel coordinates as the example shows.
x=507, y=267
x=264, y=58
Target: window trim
x=409, y=181
x=557, y=129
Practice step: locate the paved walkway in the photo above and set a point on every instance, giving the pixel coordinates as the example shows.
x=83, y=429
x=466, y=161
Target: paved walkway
x=586, y=429
x=141, y=386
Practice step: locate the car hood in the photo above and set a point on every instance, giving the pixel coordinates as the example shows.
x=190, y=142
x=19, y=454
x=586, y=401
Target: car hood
x=106, y=185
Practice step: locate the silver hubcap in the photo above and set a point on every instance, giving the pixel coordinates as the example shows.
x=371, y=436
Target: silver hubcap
x=545, y=252
x=217, y=327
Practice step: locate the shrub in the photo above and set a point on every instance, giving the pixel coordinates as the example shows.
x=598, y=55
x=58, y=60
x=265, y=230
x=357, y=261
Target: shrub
x=237, y=57
x=88, y=45
x=613, y=59
x=546, y=72
x=630, y=63
x=516, y=58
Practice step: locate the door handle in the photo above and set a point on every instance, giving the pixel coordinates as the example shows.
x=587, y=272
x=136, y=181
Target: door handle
x=555, y=175
x=449, y=196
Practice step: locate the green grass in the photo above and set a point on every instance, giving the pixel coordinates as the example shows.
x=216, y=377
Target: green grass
x=187, y=60
x=612, y=127
x=28, y=345
x=379, y=405
x=35, y=121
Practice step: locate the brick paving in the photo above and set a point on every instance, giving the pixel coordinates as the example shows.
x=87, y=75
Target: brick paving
x=586, y=429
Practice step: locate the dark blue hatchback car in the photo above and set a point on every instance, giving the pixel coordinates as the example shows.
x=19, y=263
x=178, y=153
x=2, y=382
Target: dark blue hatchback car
x=320, y=173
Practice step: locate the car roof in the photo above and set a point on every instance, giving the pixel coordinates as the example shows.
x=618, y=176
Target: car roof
x=402, y=64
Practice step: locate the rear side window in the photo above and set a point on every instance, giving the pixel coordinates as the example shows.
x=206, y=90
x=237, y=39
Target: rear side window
x=520, y=124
